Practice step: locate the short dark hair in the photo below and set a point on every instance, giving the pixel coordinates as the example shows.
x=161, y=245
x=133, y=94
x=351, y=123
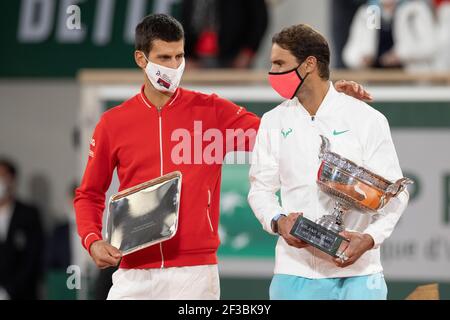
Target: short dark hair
x=303, y=41
x=157, y=27
x=9, y=166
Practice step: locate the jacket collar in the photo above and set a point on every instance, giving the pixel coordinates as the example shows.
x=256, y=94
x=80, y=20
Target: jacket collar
x=324, y=107
x=150, y=105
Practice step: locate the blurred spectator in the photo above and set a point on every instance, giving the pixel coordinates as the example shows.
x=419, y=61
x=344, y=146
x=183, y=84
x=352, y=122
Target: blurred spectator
x=439, y=3
x=63, y=239
x=223, y=33
x=342, y=13
x=406, y=37
x=64, y=247
x=21, y=240
x=443, y=19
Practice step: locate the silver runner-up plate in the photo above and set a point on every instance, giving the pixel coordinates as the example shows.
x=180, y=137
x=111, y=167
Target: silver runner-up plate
x=144, y=215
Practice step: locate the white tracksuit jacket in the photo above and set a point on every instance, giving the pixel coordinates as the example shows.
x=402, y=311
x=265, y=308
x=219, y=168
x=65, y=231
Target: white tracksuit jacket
x=285, y=158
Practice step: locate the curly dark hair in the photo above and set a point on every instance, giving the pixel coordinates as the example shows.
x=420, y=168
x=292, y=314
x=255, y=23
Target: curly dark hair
x=303, y=41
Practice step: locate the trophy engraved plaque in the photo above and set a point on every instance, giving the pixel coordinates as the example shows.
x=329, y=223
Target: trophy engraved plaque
x=145, y=214
x=352, y=187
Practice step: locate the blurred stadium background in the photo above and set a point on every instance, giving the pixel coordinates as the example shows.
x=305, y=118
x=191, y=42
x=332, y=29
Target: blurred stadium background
x=55, y=82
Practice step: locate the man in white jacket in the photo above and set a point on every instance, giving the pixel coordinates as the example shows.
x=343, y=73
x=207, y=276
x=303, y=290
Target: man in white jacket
x=285, y=158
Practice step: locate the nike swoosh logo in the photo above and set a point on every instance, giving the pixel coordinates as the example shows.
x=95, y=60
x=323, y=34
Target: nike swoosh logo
x=336, y=133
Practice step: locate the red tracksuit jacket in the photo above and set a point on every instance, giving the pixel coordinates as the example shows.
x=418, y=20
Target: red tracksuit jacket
x=135, y=138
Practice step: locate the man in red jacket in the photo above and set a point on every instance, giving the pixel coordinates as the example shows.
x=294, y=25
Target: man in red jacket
x=141, y=139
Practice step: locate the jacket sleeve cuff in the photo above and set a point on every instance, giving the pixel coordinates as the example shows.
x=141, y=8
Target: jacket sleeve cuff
x=269, y=223
x=269, y=226
x=376, y=236
x=89, y=239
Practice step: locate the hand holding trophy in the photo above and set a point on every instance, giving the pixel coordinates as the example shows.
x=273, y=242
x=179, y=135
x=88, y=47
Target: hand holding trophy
x=353, y=187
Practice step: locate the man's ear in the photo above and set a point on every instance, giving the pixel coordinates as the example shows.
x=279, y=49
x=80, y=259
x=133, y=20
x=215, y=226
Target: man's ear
x=140, y=60
x=311, y=64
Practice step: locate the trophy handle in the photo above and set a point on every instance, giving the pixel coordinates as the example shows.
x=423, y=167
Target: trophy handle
x=398, y=186
x=394, y=189
x=324, y=147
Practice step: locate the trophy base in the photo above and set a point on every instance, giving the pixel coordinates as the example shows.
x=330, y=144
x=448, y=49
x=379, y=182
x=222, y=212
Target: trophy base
x=320, y=237
x=332, y=223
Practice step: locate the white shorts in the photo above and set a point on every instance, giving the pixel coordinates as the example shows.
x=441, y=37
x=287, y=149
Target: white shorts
x=184, y=283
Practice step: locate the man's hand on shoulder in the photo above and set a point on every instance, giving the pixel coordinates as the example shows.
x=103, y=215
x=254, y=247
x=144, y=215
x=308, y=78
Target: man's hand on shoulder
x=353, y=89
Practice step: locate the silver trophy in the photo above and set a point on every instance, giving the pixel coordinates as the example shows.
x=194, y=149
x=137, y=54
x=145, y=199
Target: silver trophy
x=144, y=215
x=353, y=187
